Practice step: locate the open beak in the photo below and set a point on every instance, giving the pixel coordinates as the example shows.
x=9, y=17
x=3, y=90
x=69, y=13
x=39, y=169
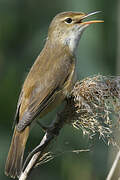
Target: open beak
x=92, y=21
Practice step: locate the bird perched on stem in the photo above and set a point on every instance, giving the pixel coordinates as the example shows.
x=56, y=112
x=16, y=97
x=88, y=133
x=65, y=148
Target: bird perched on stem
x=49, y=81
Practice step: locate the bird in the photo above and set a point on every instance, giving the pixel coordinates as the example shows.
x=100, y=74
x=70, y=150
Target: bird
x=49, y=81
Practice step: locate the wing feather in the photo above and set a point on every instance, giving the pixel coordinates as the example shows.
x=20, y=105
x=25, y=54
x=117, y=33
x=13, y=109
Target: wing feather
x=34, y=110
x=39, y=93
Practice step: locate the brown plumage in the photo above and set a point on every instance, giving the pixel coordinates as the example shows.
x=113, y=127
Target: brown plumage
x=15, y=156
x=49, y=81
x=34, y=101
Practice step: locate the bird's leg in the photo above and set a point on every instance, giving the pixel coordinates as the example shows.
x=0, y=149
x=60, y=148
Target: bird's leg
x=45, y=128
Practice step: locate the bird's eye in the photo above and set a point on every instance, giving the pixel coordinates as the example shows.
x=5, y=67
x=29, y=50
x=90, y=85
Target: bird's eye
x=68, y=20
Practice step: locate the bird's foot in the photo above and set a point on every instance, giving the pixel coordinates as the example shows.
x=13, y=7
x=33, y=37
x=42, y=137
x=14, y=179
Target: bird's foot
x=45, y=128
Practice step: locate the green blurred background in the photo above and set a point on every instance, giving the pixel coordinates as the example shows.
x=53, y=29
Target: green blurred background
x=23, y=30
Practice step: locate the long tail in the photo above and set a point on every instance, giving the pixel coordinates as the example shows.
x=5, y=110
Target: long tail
x=15, y=156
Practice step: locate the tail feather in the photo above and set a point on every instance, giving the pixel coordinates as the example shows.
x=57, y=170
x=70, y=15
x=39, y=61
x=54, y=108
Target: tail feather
x=15, y=155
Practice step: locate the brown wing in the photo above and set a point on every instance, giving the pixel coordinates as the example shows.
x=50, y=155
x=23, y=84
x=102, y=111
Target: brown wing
x=41, y=92
x=35, y=108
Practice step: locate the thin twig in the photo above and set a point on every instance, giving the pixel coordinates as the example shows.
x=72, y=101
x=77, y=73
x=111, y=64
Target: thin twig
x=112, y=170
x=35, y=155
x=45, y=141
x=26, y=172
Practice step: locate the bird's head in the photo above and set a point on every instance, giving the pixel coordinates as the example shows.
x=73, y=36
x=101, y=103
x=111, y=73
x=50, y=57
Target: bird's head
x=67, y=27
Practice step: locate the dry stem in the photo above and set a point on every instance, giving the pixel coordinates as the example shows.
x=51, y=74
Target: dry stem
x=114, y=165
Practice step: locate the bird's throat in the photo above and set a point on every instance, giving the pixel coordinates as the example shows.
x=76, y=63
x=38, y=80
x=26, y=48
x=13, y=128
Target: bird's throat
x=72, y=40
